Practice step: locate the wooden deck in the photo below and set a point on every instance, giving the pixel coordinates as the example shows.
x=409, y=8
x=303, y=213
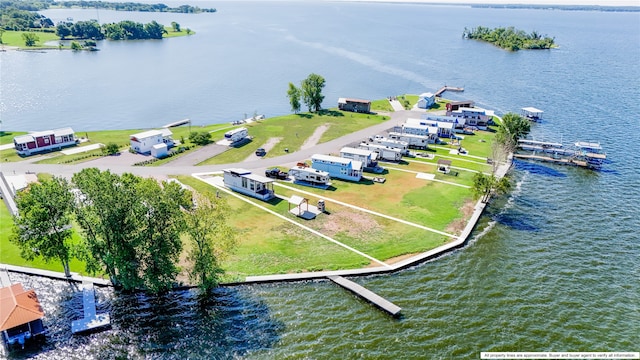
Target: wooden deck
x=368, y=295
x=91, y=320
x=563, y=161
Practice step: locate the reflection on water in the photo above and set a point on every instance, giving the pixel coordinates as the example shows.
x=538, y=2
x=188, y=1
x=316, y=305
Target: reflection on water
x=177, y=325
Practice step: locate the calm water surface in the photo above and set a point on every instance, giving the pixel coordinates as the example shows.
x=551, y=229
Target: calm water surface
x=555, y=266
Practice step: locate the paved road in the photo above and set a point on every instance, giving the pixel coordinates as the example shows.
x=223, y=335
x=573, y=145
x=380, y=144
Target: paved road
x=397, y=118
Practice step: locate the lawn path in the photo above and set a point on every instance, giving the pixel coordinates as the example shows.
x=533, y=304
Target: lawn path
x=315, y=137
x=266, y=146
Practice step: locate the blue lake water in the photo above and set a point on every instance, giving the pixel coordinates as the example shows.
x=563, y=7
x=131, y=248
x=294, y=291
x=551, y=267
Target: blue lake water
x=555, y=266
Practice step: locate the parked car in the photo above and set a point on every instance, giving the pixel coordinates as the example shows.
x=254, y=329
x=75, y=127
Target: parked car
x=261, y=152
x=276, y=174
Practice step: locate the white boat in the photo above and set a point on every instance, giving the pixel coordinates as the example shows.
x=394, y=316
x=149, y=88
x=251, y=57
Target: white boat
x=591, y=152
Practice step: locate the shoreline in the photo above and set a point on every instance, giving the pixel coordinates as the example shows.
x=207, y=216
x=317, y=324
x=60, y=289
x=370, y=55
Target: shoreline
x=512, y=3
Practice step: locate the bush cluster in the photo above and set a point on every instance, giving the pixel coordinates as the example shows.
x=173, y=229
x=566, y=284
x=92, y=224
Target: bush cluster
x=174, y=152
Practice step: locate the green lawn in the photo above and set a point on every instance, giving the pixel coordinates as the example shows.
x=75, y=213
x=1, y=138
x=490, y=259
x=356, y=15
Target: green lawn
x=14, y=38
x=381, y=105
x=293, y=130
x=10, y=253
x=170, y=33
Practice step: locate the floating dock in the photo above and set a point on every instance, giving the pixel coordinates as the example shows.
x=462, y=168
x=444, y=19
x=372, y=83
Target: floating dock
x=584, y=154
x=91, y=320
x=368, y=295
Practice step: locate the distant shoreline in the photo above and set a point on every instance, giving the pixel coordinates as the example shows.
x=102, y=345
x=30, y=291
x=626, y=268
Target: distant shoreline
x=515, y=3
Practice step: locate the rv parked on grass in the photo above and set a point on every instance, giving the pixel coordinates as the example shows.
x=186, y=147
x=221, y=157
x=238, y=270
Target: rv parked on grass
x=384, y=152
x=414, y=141
x=236, y=135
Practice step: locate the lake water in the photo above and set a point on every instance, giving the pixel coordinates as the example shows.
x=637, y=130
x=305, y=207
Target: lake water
x=555, y=266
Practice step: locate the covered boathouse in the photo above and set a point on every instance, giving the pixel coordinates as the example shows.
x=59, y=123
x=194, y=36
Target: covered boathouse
x=244, y=182
x=20, y=315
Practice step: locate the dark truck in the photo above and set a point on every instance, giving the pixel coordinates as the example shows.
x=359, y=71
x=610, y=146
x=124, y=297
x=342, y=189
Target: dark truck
x=276, y=174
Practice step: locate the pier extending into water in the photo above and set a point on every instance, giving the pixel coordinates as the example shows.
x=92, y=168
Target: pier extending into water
x=448, y=88
x=584, y=154
x=366, y=294
x=91, y=320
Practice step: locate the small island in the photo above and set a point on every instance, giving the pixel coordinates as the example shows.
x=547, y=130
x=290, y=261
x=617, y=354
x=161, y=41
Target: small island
x=510, y=38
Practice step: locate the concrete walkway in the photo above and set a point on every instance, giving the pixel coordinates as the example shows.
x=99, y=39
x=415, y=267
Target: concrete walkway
x=396, y=105
x=81, y=149
x=7, y=146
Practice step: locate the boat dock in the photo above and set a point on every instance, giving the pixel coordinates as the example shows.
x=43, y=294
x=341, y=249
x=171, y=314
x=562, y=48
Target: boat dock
x=366, y=294
x=177, y=123
x=91, y=320
x=584, y=154
x=448, y=88
x=562, y=161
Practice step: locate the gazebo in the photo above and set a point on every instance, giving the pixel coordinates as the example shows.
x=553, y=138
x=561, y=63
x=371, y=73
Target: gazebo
x=301, y=207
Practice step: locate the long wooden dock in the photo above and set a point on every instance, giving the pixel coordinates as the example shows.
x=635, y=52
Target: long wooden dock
x=564, y=161
x=91, y=320
x=448, y=88
x=366, y=294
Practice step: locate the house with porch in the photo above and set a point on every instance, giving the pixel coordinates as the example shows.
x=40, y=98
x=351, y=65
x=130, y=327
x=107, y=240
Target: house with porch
x=444, y=129
x=472, y=117
x=244, y=182
x=338, y=167
x=42, y=141
x=20, y=315
x=354, y=105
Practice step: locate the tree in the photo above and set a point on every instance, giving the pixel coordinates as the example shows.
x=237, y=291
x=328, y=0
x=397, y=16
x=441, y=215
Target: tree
x=132, y=227
x=30, y=39
x=1, y=32
x=200, y=137
x=160, y=224
x=154, y=30
x=294, y=98
x=106, y=212
x=212, y=239
x=486, y=185
x=76, y=46
x=312, y=91
x=175, y=26
x=513, y=128
x=188, y=31
x=63, y=29
x=111, y=149
x=43, y=226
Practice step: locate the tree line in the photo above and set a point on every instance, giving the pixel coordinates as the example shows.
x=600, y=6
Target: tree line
x=123, y=30
x=509, y=38
x=131, y=228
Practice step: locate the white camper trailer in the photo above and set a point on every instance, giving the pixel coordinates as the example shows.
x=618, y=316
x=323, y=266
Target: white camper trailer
x=305, y=175
x=403, y=146
x=236, y=135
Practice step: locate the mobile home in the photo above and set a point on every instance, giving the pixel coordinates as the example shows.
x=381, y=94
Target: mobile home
x=384, y=152
x=244, y=182
x=41, y=141
x=414, y=141
x=403, y=146
x=337, y=167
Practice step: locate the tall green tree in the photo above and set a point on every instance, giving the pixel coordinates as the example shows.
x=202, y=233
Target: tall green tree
x=484, y=186
x=30, y=39
x=513, y=128
x=294, y=98
x=211, y=238
x=42, y=227
x=154, y=30
x=132, y=227
x=311, y=88
x=175, y=26
x=107, y=213
x=159, y=228
x=63, y=29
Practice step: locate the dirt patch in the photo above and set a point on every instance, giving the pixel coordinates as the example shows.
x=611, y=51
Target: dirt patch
x=354, y=224
x=315, y=137
x=266, y=146
x=457, y=226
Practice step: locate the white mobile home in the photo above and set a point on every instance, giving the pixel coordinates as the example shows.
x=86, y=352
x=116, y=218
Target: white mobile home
x=236, y=135
x=367, y=157
x=384, y=152
x=403, y=146
x=337, y=167
x=414, y=141
x=244, y=182
x=426, y=100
